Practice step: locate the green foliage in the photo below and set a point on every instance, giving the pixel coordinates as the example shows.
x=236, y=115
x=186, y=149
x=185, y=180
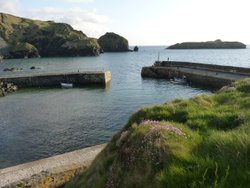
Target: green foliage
x=23, y=47
x=243, y=86
x=49, y=38
x=200, y=142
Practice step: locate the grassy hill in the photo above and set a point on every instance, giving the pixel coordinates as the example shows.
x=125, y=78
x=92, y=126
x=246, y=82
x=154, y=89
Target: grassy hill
x=200, y=142
x=43, y=38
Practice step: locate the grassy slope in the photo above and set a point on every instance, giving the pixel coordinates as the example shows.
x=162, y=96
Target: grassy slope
x=200, y=142
x=50, y=38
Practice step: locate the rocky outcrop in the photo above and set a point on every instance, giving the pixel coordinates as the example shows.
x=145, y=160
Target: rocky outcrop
x=217, y=44
x=21, y=38
x=23, y=50
x=6, y=88
x=112, y=42
x=136, y=49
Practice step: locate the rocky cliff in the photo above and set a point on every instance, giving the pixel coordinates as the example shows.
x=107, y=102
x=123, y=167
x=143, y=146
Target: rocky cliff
x=111, y=42
x=217, y=44
x=21, y=37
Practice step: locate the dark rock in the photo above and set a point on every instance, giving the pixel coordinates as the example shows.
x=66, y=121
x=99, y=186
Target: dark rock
x=111, y=42
x=136, y=48
x=12, y=69
x=217, y=44
x=34, y=67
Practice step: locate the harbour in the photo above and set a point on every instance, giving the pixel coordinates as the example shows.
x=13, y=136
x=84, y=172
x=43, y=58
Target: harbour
x=42, y=122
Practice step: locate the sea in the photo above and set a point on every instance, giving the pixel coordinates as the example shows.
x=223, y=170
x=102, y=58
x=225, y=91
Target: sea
x=36, y=123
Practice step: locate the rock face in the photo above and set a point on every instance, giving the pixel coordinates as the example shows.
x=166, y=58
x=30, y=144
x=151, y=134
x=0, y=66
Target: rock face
x=217, y=44
x=4, y=48
x=111, y=42
x=20, y=37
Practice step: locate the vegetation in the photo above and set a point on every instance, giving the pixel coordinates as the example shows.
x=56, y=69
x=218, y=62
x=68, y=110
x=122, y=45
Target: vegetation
x=111, y=42
x=47, y=37
x=200, y=142
x=23, y=50
x=217, y=44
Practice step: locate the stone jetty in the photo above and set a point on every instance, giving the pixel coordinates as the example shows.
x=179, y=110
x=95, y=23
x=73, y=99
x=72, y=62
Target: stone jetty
x=209, y=75
x=50, y=172
x=55, y=79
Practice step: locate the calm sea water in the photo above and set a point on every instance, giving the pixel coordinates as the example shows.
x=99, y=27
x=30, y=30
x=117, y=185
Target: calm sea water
x=38, y=123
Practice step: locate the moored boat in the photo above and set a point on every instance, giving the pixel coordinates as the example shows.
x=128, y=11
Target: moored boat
x=66, y=85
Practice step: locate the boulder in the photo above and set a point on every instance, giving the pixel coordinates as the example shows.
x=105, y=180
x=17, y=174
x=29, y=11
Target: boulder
x=34, y=67
x=112, y=42
x=136, y=48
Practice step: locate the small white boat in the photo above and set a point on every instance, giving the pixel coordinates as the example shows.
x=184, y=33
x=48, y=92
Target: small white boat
x=66, y=85
x=182, y=80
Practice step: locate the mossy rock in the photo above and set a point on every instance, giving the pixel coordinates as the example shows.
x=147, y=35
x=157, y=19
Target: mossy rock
x=112, y=42
x=23, y=50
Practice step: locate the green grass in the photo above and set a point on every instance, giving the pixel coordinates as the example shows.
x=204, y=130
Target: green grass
x=200, y=142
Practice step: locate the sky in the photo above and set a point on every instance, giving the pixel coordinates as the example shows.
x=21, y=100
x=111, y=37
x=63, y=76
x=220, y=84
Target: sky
x=144, y=22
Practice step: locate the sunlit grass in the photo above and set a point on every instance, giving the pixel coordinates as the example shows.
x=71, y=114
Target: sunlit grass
x=200, y=142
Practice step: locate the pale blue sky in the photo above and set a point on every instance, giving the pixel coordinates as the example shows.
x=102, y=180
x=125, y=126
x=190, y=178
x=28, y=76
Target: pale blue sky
x=144, y=22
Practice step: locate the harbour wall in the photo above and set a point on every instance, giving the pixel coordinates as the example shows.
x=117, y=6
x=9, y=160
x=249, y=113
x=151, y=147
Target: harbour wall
x=55, y=79
x=219, y=68
x=215, y=76
x=50, y=172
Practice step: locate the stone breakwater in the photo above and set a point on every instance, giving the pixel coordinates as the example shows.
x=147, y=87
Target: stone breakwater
x=210, y=75
x=50, y=172
x=6, y=88
x=55, y=79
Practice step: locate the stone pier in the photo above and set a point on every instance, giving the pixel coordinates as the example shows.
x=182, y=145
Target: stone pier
x=50, y=172
x=196, y=73
x=55, y=79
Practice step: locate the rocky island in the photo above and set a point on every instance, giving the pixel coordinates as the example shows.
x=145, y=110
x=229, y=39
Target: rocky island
x=26, y=38
x=111, y=42
x=217, y=44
